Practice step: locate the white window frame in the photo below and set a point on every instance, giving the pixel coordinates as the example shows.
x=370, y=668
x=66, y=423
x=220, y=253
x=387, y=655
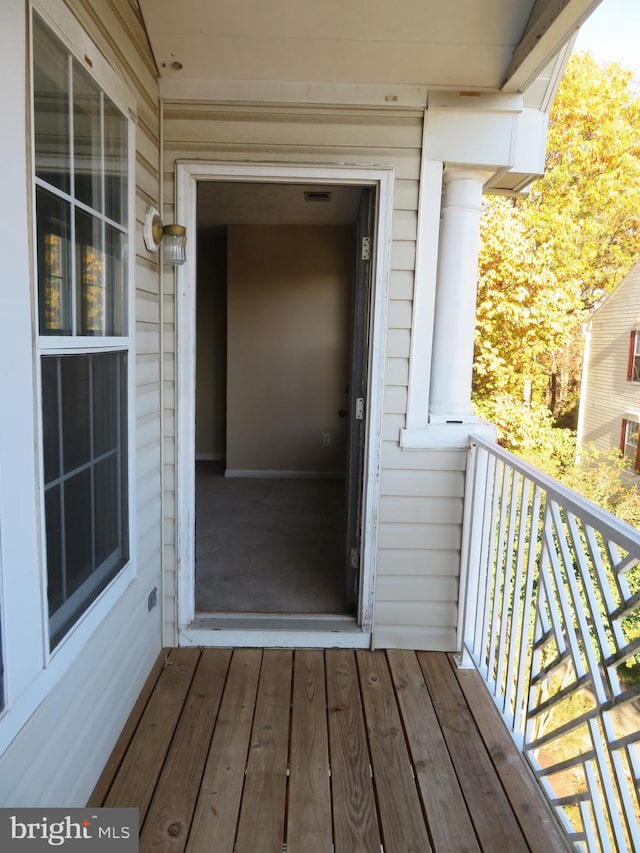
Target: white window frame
x=31, y=669
x=636, y=353
x=631, y=419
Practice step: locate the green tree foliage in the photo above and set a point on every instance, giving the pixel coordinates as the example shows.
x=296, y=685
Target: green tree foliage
x=548, y=257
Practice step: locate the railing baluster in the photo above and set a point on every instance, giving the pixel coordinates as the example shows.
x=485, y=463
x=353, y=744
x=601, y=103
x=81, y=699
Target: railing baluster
x=517, y=616
x=524, y=662
x=550, y=604
x=507, y=587
x=482, y=631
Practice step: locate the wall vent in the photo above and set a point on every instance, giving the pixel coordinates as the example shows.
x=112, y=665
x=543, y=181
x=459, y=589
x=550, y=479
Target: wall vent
x=317, y=195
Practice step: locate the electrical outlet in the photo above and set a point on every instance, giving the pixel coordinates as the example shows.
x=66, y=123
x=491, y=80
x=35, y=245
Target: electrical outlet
x=152, y=600
x=326, y=439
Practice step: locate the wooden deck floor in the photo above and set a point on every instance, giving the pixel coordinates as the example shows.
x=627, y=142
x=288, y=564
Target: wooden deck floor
x=251, y=750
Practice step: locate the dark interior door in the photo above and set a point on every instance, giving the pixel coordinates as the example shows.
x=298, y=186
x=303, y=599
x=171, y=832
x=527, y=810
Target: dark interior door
x=357, y=411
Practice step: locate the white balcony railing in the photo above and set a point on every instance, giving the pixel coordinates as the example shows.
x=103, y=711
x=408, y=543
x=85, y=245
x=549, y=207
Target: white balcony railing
x=551, y=619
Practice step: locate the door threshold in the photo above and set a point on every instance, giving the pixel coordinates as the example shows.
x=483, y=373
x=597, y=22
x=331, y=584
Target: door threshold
x=296, y=630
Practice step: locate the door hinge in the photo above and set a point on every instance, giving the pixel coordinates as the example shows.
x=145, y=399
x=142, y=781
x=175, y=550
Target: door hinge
x=359, y=408
x=366, y=248
x=355, y=558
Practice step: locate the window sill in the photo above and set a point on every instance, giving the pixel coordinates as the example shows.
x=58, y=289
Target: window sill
x=447, y=436
x=18, y=710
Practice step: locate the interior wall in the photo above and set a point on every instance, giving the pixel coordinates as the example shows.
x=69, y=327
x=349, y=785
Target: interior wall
x=288, y=303
x=211, y=343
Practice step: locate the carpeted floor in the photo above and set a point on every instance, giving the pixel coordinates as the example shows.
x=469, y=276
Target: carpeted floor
x=268, y=545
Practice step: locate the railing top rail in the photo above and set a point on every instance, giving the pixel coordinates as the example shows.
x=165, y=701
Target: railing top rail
x=613, y=528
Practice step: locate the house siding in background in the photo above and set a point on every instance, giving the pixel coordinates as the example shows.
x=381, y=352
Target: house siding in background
x=609, y=393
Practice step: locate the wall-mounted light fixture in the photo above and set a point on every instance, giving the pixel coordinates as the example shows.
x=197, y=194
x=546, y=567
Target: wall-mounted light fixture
x=172, y=237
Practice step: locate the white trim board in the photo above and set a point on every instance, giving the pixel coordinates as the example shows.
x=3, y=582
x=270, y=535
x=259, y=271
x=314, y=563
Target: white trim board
x=188, y=175
x=278, y=638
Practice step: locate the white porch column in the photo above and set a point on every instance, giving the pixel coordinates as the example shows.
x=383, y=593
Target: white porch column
x=455, y=305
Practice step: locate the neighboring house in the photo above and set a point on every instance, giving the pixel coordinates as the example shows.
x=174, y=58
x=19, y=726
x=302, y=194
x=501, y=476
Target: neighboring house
x=610, y=393
x=221, y=115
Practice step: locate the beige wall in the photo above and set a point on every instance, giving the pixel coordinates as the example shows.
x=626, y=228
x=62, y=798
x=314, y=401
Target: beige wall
x=289, y=290
x=211, y=343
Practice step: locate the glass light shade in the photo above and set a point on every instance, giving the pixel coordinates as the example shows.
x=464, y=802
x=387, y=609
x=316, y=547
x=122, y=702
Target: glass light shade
x=174, y=244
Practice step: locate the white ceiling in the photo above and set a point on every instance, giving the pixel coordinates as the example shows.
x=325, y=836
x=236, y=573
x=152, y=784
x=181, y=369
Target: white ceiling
x=229, y=203
x=459, y=43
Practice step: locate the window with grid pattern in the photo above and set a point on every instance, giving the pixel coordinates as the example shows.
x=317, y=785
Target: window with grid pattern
x=82, y=230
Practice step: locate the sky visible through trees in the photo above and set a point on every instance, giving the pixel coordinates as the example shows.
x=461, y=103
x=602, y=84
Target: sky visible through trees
x=549, y=257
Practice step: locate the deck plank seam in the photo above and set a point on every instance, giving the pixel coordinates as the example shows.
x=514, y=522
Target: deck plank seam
x=331, y=781
x=249, y=743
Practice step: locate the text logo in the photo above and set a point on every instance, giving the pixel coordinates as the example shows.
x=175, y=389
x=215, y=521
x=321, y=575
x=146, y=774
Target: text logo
x=29, y=830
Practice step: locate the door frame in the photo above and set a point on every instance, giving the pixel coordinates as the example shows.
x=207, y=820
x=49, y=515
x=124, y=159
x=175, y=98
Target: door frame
x=188, y=175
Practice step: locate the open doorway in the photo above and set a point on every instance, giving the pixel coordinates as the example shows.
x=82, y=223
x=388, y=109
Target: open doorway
x=370, y=193
x=282, y=327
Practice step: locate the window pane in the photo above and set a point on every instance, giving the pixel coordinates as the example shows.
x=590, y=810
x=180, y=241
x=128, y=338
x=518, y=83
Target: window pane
x=76, y=408
x=106, y=423
x=55, y=579
x=87, y=139
x=51, y=108
x=54, y=268
x=115, y=163
x=86, y=509
x=90, y=274
x=78, y=532
x=107, y=508
x=116, y=278
x=50, y=419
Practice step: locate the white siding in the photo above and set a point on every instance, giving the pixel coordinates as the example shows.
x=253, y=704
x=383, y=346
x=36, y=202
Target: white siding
x=59, y=753
x=606, y=393
x=421, y=508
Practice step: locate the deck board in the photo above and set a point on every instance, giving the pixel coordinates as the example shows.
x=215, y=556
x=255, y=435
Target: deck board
x=403, y=825
x=309, y=815
x=442, y=798
x=261, y=824
x=352, y=795
x=538, y=825
x=168, y=820
x=138, y=774
x=357, y=752
x=491, y=813
x=216, y=815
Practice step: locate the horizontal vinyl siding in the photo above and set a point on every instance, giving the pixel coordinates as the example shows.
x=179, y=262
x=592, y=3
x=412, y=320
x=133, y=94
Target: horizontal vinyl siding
x=421, y=493
x=322, y=136
x=58, y=755
x=420, y=530
x=608, y=394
